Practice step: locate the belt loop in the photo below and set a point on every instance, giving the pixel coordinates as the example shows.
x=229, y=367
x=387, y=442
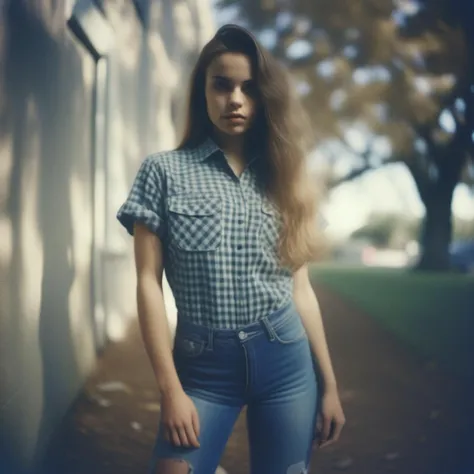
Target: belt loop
x=210, y=339
x=268, y=327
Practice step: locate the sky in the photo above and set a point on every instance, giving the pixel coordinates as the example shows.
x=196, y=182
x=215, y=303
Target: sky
x=387, y=189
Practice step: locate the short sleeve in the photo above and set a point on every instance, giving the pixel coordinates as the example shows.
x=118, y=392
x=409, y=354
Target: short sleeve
x=145, y=202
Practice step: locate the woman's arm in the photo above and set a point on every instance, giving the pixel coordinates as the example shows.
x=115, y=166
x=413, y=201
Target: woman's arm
x=331, y=416
x=308, y=308
x=151, y=308
x=179, y=416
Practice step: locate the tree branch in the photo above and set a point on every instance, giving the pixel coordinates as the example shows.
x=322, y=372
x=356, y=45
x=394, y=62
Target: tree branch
x=360, y=171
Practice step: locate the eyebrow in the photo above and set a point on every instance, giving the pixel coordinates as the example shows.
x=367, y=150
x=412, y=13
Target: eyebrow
x=228, y=79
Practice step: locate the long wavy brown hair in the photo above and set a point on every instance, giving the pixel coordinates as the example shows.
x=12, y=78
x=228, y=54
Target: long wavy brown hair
x=279, y=135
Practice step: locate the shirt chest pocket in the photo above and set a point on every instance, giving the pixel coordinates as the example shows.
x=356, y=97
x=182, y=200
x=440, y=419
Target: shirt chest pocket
x=195, y=223
x=270, y=227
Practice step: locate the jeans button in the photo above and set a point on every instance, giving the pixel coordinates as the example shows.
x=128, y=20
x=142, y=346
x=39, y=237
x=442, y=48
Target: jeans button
x=242, y=335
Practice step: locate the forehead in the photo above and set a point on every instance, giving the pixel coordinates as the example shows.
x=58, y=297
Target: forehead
x=235, y=66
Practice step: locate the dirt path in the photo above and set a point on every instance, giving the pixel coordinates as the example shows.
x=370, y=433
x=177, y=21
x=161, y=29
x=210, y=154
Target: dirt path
x=404, y=415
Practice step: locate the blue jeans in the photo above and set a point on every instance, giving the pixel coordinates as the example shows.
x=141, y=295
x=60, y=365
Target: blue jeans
x=267, y=366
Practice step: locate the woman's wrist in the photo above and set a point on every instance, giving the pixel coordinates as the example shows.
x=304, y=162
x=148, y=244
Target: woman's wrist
x=329, y=385
x=169, y=386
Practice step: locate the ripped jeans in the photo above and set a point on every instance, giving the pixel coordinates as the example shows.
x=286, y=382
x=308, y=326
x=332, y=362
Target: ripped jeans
x=266, y=366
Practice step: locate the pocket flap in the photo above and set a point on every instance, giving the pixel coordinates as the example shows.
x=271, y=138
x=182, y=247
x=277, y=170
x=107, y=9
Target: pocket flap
x=194, y=205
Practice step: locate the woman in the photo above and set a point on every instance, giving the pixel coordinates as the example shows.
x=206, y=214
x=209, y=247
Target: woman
x=230, y=216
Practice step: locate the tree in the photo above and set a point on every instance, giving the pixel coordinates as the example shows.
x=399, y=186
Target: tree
x=451, y=157
x=384, y=85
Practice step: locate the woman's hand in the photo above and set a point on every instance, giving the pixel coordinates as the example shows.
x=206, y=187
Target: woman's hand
x=180, y=419
x=331, y=418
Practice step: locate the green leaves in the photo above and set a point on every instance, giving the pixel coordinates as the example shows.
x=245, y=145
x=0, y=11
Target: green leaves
x=395, y=69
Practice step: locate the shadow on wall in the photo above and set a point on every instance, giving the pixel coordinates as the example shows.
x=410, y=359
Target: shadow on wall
x=34, y=65
x=175, y=22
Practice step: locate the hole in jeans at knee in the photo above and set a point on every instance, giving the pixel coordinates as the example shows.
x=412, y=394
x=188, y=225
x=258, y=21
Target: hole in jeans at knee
x=298, y=468
x=173, y=466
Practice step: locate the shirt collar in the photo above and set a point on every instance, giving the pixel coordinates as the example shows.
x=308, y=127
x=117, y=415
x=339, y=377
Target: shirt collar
x=203, y=151
x=208, y=147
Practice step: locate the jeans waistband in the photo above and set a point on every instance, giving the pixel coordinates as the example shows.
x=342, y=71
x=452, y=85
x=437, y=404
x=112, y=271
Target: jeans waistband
x=273, y=320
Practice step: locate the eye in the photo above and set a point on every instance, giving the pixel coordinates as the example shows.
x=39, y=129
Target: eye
x=221, y=84
x=250, y=88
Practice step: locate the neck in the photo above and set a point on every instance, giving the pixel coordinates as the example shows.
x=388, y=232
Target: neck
x=234, y=146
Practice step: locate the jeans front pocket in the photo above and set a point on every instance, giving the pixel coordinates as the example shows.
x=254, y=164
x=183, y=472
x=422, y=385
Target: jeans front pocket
x=290, y=330
x=189, y=346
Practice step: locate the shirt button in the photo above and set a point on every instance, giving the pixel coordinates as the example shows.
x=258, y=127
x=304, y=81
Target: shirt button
x=242, y=335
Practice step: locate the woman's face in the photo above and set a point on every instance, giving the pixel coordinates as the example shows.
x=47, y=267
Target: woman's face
x=231, y=93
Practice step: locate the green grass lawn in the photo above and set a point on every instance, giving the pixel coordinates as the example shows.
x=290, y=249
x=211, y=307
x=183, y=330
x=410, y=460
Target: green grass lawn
x=432, y=312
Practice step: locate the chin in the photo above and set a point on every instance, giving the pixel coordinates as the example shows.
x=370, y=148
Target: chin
x=234, y=131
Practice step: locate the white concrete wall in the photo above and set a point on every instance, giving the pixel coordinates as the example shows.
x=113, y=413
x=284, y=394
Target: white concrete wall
x=178, y=30
x=47, y=326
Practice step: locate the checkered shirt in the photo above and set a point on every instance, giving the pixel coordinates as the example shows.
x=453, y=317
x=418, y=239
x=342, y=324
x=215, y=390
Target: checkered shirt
x=219, y=234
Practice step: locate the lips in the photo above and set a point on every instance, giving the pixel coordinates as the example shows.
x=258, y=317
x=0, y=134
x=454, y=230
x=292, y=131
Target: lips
x=235, y=116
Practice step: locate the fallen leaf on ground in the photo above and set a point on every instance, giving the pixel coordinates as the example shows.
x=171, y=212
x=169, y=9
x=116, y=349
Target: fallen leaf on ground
x=155, y=407
x=114, y=386
x=103, y=402
x=344, y=463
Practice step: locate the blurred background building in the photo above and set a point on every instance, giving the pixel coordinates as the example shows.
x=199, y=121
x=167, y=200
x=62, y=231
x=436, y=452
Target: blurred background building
x=87, y=89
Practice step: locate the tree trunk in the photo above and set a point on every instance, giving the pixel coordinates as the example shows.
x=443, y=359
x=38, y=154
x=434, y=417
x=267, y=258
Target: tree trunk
x=437, y=228
x=437, y=196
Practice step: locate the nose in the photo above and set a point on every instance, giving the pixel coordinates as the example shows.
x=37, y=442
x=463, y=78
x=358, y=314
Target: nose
x=236, y=97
